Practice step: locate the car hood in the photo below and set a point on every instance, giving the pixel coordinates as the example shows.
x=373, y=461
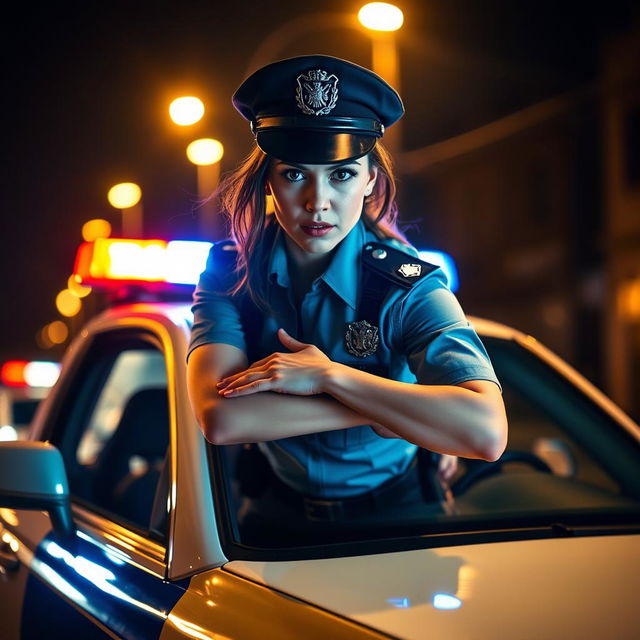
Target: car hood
x=553, y=588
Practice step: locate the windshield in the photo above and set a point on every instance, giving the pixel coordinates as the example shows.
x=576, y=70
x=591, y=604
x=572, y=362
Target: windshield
x=568, y=462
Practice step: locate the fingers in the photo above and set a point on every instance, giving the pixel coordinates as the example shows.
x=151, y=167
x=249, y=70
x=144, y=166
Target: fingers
x=260, y=363
x=247, y=373
x=263, y=384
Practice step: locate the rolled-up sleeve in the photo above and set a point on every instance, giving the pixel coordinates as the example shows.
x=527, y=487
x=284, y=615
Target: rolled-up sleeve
x=440, y=345
x=216, y=316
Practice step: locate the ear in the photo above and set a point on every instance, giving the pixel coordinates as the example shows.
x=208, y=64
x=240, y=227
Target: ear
x=373, y=175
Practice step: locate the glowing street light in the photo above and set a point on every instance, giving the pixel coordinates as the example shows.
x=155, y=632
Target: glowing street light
x=206, y=154
x=126, y=197
x=381, y=16
x=383, y=19
x=186, y=110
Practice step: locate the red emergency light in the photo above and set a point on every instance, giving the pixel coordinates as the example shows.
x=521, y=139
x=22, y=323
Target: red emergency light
x=22, y=373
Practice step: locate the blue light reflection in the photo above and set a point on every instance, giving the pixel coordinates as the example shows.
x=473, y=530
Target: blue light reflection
x=399, y=603
x=446, y=263
x=446, y=601
x=99, y=576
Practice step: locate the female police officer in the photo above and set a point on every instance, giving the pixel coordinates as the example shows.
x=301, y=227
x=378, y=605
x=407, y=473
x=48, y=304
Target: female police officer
x=317, y=332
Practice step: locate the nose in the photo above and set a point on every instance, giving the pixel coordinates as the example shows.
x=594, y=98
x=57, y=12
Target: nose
x=316, y=196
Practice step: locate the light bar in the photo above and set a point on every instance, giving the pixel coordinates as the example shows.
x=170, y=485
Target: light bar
x=20, y=373
x=446, y=263
x=112, y=260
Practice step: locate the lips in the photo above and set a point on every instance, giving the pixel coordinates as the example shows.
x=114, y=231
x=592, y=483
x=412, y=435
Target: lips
x=320, y=229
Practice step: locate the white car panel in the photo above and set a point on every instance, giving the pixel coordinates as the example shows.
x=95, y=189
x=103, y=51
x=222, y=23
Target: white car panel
x=555, y=588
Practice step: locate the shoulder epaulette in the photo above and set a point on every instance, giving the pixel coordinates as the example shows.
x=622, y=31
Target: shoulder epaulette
x=396, y=266
x=222, y=261
x=225, y=253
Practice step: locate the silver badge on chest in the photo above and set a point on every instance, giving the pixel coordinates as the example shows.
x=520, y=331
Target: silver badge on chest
x=361, y=338
x=317, y=92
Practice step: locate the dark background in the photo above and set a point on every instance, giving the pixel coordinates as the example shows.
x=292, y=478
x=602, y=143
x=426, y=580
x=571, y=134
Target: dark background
x=87, y=91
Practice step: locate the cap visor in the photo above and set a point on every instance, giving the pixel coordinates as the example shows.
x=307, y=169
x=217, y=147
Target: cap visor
x=313, y=147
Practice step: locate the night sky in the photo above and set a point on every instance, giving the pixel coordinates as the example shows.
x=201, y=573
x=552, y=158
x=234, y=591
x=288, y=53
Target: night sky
x=87, y=92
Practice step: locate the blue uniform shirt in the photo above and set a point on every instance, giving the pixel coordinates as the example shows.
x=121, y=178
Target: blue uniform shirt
x=424, y=338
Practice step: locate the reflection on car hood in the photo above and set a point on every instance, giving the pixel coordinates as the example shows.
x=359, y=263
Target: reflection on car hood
x=554, y=588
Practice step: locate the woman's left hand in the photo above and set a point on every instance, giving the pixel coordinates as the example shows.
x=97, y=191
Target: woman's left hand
x=298, y=373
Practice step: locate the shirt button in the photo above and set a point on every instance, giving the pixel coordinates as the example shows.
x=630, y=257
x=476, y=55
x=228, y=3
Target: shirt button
x=379, y=254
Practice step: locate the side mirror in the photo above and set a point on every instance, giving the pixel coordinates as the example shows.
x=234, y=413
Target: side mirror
x=32, y=476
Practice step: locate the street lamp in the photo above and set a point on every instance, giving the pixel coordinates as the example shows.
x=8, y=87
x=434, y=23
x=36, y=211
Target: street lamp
x=381, y=16
x=126, y=197
x=186, y=110
x=383, y=19
x=206, y=154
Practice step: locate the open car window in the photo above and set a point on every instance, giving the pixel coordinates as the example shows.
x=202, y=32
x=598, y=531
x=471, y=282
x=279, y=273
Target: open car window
x=566, y=459
x=113, y=431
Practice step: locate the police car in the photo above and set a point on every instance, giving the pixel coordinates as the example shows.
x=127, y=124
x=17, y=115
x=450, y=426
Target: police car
x=118, y=519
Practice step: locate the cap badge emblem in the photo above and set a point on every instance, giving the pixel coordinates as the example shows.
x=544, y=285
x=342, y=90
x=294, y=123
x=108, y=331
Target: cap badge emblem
x=410, y=270
x=361, y=338
x=317, y=92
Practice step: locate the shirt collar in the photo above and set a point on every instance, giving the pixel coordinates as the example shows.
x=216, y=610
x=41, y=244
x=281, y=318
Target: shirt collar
x=343, y=273
x=278, y=268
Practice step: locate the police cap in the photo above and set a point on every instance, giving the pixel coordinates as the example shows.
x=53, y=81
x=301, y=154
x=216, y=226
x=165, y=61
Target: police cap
x=317, y=109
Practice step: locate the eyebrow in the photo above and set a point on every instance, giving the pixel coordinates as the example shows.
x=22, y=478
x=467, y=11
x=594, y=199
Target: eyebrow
x=331, y=166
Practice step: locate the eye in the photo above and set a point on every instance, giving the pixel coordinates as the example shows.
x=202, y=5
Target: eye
x=292, y=175
x=342, y=175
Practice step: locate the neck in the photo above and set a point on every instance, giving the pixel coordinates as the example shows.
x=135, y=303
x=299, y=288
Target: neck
x=305, y=267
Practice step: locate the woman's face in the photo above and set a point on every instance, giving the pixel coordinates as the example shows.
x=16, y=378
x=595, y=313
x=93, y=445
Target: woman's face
x=318, y=204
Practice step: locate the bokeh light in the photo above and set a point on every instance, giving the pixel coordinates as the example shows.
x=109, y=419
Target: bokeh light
x=205, y=151
x=52, y=334
x=67, y=304
x=57, y=332
x=94, y=229
x=186, y=110
x=124, y=195
x=74, y=284
x=12, y=373
x=41, y=374
x=381, y=16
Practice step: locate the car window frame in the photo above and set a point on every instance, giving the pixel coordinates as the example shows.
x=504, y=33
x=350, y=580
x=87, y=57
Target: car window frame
x=66, y=411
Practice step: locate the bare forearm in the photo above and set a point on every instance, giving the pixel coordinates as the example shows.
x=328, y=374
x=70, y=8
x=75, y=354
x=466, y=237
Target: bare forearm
x=446, y=419
x=269, y=416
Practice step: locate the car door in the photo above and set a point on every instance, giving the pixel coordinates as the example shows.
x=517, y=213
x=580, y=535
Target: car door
x=112, y=427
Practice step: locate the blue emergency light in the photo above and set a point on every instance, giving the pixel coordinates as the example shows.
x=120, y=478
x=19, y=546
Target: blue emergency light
x=446, y=263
